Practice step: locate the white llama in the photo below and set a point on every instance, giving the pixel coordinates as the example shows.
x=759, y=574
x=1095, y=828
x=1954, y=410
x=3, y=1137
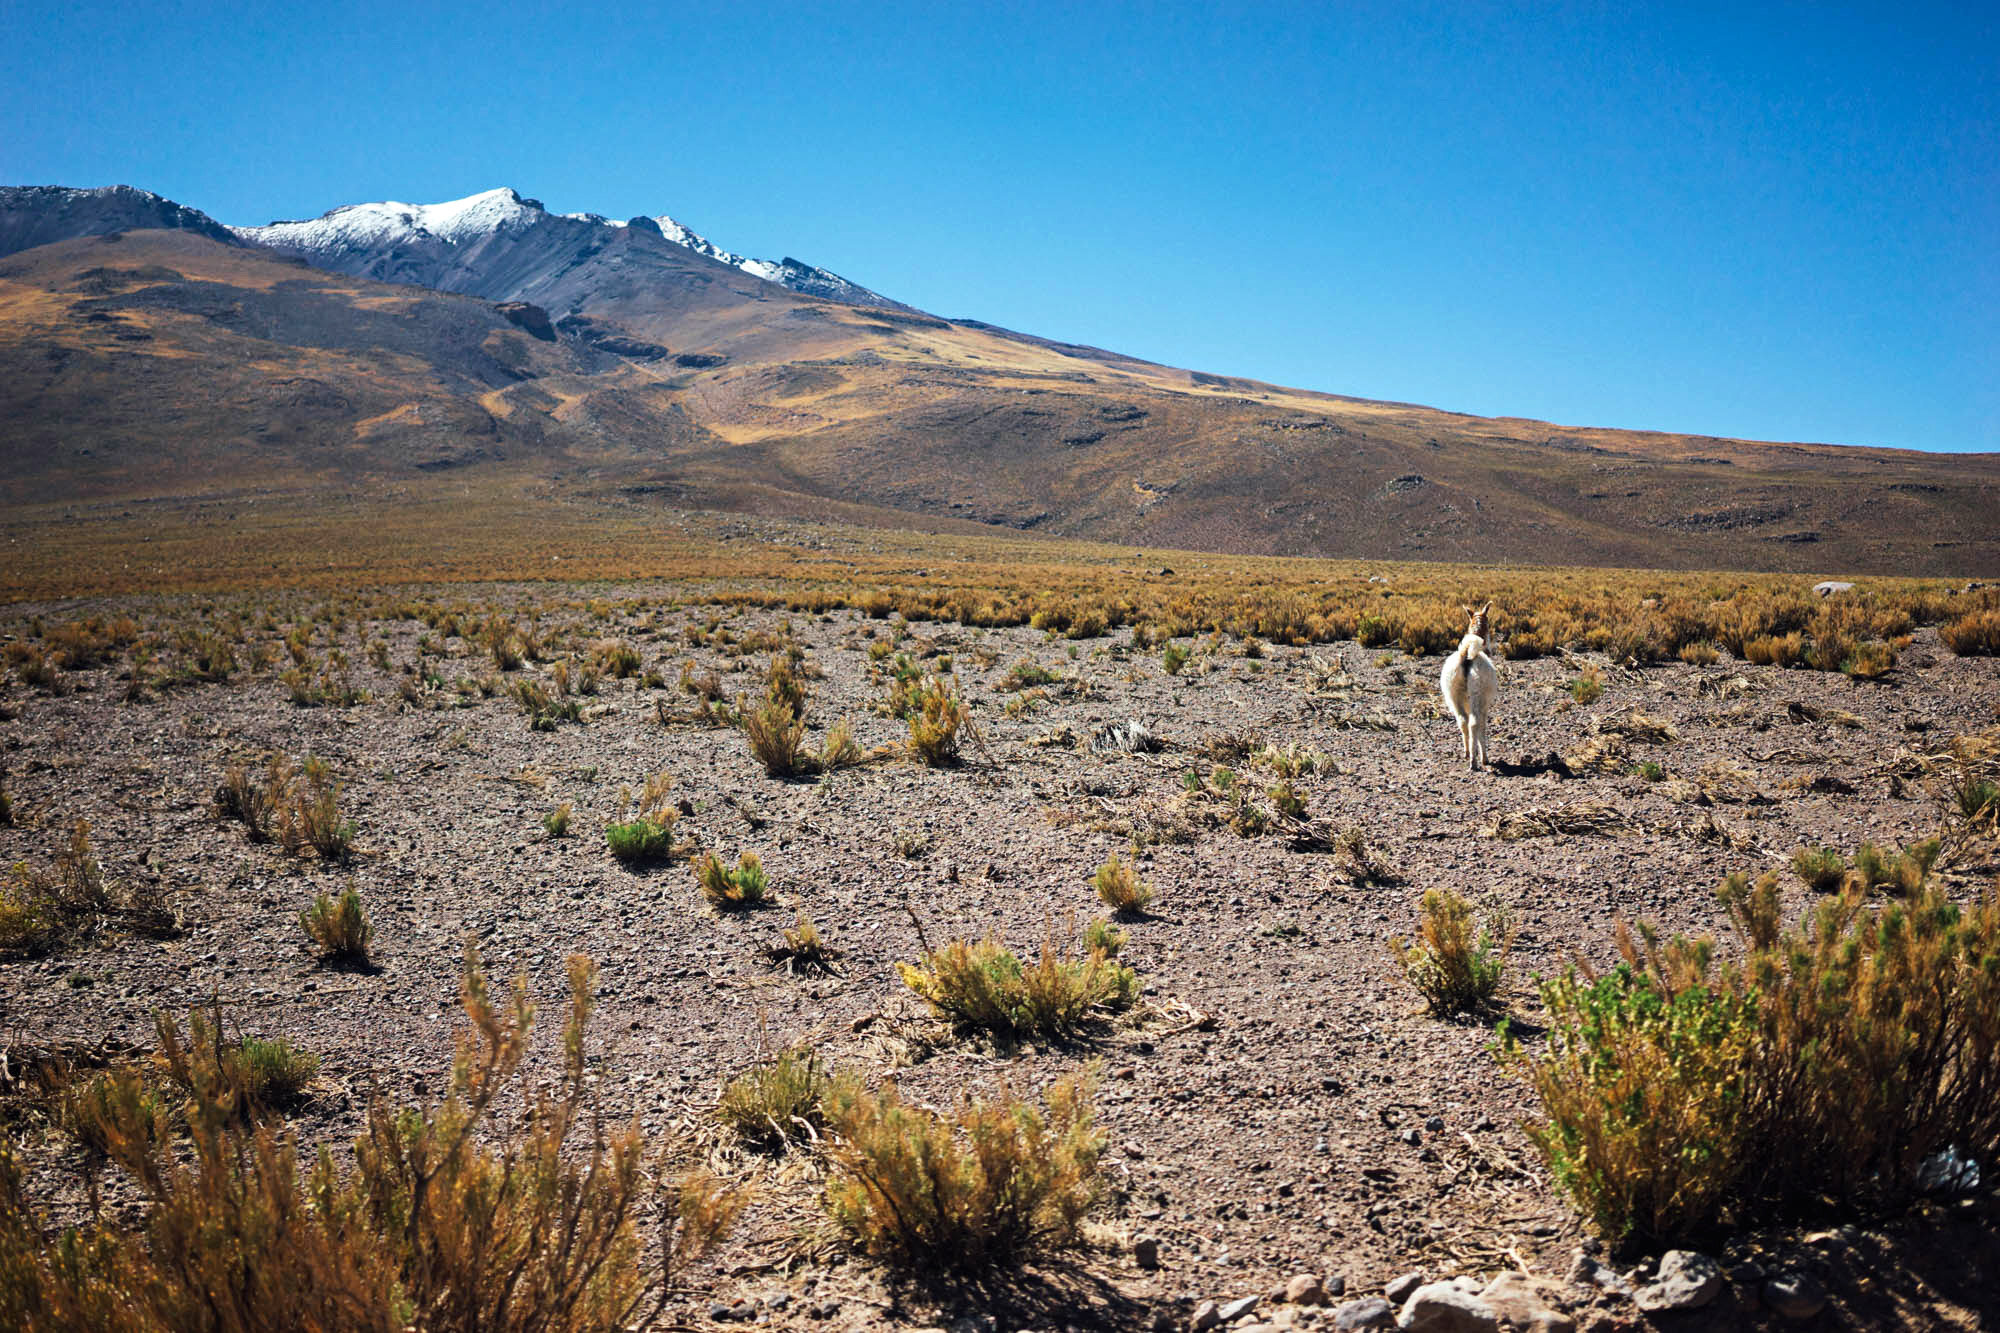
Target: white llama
x=1468, y=683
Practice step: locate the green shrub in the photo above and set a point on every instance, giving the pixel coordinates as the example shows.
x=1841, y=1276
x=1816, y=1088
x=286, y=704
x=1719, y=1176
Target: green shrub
x=638, y=841
x=1903, y=872
x=1826, y=1064
x=307, y=810
x=1102, y=938
x=339, y=926
x=1974, y=796
x=1454, y=969
x=1821, y=869
x=275, y=1072
x=1026, y=675
x=839, y=750
x=993, y=1184
x=1174, y=657
x=1643, y=1092
x=744, y=886
x=556, y=822
x=1587, y=688
x=985, y=986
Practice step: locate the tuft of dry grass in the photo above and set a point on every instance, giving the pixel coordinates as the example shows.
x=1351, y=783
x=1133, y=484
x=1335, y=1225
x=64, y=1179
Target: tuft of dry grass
x=1455, y=968
x=778, y=1102
x=1973, y=635
x=990, y=1185
x=938, y=718
x=1119, y=887
x=986, y=987
x=339, y=926
x=803, y=947
x=44, y=909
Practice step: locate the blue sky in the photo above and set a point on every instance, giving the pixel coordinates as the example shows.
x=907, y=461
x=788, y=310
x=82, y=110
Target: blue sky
x=1782, y=224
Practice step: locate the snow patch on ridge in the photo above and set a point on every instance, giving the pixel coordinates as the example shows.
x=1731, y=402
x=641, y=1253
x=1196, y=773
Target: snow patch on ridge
x=368, y=225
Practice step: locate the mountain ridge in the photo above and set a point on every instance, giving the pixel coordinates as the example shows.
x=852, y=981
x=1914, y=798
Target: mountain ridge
x=349, y=238
x=604, y=361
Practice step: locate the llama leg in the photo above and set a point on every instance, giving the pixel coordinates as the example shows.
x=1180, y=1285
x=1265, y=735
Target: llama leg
x=1479, y=743
x=1465, y=735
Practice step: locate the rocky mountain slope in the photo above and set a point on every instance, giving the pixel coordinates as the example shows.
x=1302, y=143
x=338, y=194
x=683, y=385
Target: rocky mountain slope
x=569, y=356
x=32, y=215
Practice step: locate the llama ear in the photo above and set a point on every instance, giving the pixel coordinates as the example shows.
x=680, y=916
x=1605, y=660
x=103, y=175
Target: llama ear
x=1484, y=609
x=1468, y=610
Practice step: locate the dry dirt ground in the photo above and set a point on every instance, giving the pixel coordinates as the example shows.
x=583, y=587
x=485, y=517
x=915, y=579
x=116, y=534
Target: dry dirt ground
x=1280, y=1104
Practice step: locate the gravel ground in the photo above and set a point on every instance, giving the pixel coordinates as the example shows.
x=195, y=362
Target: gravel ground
x=1280, y=1104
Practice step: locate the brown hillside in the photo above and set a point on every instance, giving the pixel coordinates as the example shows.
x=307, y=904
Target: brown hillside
x=158, y=363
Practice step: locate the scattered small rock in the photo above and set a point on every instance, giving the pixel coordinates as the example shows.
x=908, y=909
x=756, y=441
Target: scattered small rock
x=1236, y=1309
x=1305, y=1289
x=1795, y=1295
x=1206, y=1315
x=1588, y=1271
x=1371, y=1312
x=1687, y=1280
x=1403, y=1287
x=1515, y=1299
x=1447, y=1307
x=1146, y=1252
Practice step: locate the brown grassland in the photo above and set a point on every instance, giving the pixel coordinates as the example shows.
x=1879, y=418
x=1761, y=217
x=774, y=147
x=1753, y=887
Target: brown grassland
x=995, y=930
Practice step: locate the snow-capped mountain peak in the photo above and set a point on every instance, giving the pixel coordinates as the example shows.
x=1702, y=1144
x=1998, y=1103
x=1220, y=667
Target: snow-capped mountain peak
x=456, y=222
x=431, y=243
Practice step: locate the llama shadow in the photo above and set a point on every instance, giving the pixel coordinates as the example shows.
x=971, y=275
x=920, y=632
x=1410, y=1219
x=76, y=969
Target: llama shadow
x=1532, y=767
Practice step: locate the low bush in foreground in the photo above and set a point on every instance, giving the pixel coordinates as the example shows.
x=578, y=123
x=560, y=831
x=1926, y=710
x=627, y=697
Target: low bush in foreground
x=1456, y=968
x=444, y=1220
x=993, y=1183
x=986, y=986
x=1830, y=1063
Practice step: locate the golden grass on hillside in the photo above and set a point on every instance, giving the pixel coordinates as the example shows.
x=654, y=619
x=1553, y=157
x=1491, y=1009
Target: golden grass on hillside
x=432, y=540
